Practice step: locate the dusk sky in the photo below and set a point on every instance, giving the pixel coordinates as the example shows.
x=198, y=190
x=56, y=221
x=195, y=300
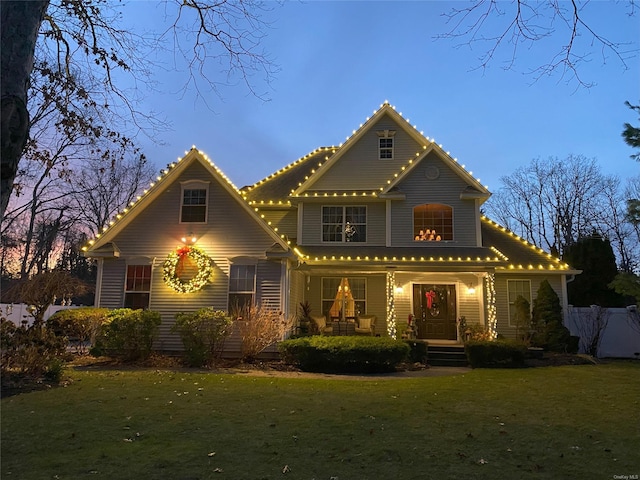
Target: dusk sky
x=338, y=61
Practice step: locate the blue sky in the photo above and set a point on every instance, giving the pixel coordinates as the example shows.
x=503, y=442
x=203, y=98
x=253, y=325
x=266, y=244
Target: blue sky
x=338, y=61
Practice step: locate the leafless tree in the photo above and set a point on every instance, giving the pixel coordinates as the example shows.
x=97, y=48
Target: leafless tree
x=564, y=30
x=84, y=36
x=551, y=202
x=591, y=324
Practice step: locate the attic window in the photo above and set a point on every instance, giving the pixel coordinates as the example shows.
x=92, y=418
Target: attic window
x=194, y=202
x=385, y=144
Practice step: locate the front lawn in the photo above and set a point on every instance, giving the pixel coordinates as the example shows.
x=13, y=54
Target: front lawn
x=553, y=422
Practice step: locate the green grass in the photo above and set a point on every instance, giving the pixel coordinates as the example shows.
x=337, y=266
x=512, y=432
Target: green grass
x=577, y=422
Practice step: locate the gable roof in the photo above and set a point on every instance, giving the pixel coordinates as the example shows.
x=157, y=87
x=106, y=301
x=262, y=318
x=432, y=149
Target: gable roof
x=298, y=178
x=163, y=181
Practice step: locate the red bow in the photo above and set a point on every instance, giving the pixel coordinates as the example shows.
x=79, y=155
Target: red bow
x=431, y=296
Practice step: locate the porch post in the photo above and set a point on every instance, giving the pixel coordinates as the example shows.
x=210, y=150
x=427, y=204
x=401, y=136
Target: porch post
x=490, y=304
x=391, y=309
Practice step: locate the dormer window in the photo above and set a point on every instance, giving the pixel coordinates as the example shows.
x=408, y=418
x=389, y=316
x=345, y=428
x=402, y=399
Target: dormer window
x=194, y=202
x=385, y=144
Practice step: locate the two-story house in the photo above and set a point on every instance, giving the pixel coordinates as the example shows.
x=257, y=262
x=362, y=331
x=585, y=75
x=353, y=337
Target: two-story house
x=386, y=224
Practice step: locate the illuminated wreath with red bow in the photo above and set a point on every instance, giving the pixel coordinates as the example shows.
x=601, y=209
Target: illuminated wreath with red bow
x=173, y=266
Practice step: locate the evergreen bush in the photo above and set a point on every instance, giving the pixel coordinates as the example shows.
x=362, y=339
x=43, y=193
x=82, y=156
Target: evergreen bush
x=551, y=334
x=78, y=325
x=339, y=354
x=30, y=351
x=128, y=334
x=499, y=353
x=203, y=333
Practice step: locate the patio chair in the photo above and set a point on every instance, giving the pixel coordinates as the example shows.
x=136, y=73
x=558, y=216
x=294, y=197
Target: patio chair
x=320, y=322
x=366, y=325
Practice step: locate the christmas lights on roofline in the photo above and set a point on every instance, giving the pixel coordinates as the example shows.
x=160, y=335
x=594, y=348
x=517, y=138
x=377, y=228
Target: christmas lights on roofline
x=118, y=217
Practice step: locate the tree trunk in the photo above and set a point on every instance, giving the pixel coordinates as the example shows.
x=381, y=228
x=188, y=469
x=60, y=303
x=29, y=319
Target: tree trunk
x=20, y=23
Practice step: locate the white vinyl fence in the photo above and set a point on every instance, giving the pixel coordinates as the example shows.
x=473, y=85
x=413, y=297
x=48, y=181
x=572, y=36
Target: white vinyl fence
x=618, y=328
x=18, y=312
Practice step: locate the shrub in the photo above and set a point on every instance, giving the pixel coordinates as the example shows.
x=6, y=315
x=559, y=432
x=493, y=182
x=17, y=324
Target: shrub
x=30, y=351
x=417, y=351
x=351, y=354
x=128, y=334
x=259, y=327
x=499, y=353
x=203, y=333
x=550, y=334
x=79, y=325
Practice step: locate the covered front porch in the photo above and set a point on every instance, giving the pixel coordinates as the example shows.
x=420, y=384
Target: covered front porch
x=402, y=303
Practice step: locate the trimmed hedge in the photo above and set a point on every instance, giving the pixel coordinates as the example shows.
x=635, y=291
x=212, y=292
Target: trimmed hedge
x=78, y=324
x=351, y=354
x=128, y=334
x=499, y=353
x=203, y=333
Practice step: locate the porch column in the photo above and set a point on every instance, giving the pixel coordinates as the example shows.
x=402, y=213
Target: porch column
x=391, y=308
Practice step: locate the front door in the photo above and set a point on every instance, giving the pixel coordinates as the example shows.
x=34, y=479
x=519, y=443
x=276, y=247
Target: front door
x=434, y=311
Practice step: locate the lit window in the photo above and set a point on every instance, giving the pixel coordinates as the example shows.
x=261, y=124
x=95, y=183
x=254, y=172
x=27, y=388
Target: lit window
x=344, y=297
x=432, y=222
x=138, y=286
x=242, y=287
x=344, y=224
x=194, y=202
x=515, y=289
x=385, y=148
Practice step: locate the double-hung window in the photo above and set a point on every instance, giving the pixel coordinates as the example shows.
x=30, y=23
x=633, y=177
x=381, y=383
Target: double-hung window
x=385, y=146
x=193, y=208
x=344, y=224
x=242, y=287
x=515, y=289
x=138, y=286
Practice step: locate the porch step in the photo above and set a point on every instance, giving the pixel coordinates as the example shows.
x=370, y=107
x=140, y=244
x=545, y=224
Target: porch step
x=446, y=356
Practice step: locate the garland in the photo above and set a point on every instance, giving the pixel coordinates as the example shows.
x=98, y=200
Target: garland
x=172, y=275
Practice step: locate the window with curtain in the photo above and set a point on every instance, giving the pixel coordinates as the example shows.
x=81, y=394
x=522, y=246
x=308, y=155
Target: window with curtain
x=344, y=224
x=242, y=286
x=517, y=288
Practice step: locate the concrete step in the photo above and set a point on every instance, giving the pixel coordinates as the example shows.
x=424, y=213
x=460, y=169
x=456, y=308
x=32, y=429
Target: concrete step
x=447, y=356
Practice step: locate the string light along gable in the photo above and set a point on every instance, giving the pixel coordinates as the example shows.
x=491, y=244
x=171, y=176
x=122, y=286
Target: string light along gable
x=555, y=263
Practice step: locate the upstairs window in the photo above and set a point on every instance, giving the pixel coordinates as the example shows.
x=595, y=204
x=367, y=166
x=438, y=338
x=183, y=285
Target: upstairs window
x=432, y=222
x=242, y=287
x=138, y=287
x=385, y=148
x=194, y=202
x=385, y=144
x=344, y=224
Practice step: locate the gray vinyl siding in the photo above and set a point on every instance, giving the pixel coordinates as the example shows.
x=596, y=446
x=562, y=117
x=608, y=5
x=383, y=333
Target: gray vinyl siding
x=312, y=224
x=155, y=232
x=361, y=169
x=446, y=189
x=297, y=289
x=285, y=220
x=268, y=282
x=502, y=301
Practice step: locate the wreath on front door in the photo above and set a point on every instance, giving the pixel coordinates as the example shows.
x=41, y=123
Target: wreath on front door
x=174, y=266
